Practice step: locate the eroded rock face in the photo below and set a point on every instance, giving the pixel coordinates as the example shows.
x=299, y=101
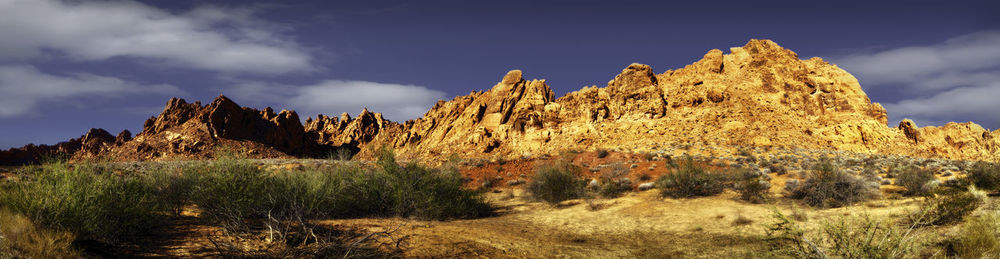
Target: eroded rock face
x=513, y=112
x=757, y=95
x=347, y=131
x=189, y=130
x=90, y=145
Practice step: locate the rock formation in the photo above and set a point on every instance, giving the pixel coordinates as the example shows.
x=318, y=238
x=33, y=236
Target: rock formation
x=757, y=95
x=91, y=145
x=345, y=131
x=190, y=130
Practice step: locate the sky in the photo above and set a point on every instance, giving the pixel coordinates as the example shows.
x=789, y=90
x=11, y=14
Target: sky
x=67, y=66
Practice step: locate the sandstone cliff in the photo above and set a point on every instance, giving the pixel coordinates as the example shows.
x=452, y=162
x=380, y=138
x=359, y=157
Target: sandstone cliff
x=757, y=95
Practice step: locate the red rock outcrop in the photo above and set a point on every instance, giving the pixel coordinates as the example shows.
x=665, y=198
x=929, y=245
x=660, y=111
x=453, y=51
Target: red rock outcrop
x=189, y=130
x=757, y=95
x=512, y=112
x=90, y=145
x=347, y=131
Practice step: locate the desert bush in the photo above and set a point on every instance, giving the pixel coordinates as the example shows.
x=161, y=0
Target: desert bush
x=916, y=181
x=602, y=153
x=948, y=208
x=556, y=182
x=21, y=238
x=691, y=180
x=232, y=191
x=846, y=237
x=171, y=188
x=978, y=238
x=615, y=187
x=339, y=154
x=752, y=185
x=828, y=187
x=778, y=169
x=648, y=156
x=244, y=199
x=88, y=199
x=869, y=237
x=986, y=176
x=745, y=152
x=427, y=193
x=614, y=182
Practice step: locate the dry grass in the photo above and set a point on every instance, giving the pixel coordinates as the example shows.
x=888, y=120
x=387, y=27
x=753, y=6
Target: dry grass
x=979, y=237
x=20, y=238
x=742, y=221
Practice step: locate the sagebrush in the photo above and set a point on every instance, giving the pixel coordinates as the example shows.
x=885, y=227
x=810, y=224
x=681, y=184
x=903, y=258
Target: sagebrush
x=556, y=182
x=692, y=180
x=827, y=186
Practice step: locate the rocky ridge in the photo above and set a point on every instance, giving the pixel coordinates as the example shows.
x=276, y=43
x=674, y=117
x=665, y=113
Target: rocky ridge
x=758, y=95
x=90, y=145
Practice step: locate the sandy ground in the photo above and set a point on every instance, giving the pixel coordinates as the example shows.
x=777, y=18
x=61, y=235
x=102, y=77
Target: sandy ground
x=640, y=224
x=637, y=225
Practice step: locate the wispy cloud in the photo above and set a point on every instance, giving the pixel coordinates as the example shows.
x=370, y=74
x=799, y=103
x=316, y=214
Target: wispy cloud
x=955, y=80
x=23, y=88
x=332, y=97
x=207, y=38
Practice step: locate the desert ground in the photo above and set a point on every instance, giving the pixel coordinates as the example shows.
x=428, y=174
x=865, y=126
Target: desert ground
x=633, y=224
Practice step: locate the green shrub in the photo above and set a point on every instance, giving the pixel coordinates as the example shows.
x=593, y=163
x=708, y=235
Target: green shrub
x=173, y=189
x=828, y=187
x=986, y=176
x=948, y=208
x=427, y=193
x=615, y=187
x=691, y=180
x=868, y=237
x=234, y=191
x=978, y=238
x=854, y=237
x=87, y=199
x=916, y=181
x=555, y=183
x=753, y=186
x=230, y=191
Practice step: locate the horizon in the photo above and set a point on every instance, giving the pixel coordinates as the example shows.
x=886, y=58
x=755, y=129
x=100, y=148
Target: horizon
x=113, y=64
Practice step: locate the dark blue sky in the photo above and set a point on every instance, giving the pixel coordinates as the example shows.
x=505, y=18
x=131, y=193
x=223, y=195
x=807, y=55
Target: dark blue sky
x=112, y=64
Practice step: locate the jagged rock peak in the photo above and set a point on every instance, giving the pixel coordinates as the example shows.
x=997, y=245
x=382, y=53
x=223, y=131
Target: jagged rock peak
x=346, y=131
x=635, y=75
x=512, y=77
x=909, y=129
x=123, y=137
x=97, y=134
x=764, y=47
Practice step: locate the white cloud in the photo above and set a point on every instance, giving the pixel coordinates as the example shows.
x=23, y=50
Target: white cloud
x=956, y=80
x=910, y=65
x=23, y=88
x=395, y=101
x=978, y=103
x=203, y=38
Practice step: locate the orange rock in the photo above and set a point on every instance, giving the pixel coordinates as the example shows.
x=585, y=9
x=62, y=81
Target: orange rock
x=757, y=95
